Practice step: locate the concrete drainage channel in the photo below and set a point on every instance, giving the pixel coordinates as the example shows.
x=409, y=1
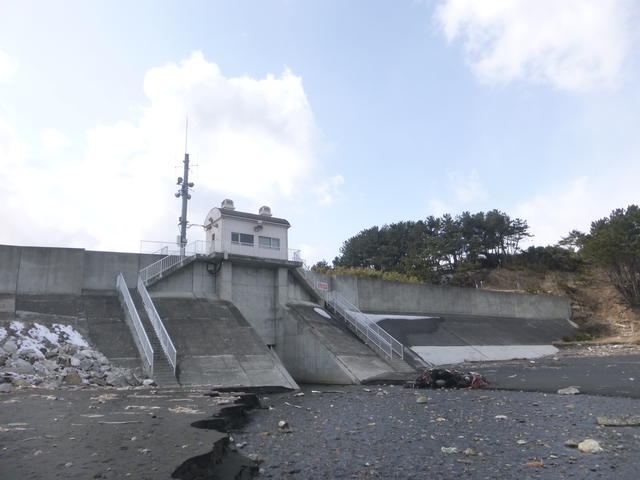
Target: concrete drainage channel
x=224, y=462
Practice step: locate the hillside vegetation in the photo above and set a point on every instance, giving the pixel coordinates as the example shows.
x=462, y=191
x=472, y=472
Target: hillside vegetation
x=599, y=271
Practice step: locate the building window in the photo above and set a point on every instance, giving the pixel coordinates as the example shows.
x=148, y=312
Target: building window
x=242, y=239
x=269, y=242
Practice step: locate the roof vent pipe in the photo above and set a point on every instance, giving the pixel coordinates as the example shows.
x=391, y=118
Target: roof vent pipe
x=265, y=211
x=228, y=204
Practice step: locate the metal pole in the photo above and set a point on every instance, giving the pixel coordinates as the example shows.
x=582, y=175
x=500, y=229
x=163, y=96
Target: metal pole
x=184, y=192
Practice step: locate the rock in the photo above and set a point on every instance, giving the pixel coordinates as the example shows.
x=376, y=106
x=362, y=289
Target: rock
x=44, y=367
x=31, y=355
x=255, y=458
x=470, y=452
x=283, y=426
x=619, y=420
x=18, y=365
x=75, y=361
x=6, y=388
x=589, y=445
x=116, y=379
x=10, y=347
x=500, y=417
x=449, y=450
x=421, y=399
x=86, y=364
x=148, y=382
x=568, y=391
x=72, y=378
x=21, y=382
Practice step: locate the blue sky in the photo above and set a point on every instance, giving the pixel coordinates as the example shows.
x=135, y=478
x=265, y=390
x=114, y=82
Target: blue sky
x=339, y=115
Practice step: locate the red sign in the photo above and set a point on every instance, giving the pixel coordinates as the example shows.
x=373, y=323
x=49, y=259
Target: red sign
x=322, y=286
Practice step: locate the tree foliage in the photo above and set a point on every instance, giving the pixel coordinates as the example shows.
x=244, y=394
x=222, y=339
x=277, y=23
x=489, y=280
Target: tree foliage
x=433, y=248
x=614, y=244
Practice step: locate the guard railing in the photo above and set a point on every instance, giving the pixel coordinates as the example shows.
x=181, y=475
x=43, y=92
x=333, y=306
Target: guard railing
x=366, y=329
x=174, y=255
x=132, y=314
x=163, y=336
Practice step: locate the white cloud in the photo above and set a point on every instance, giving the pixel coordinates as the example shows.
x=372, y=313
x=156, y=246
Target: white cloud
x=570, y=44
x=467, y=187
x=53, y=139
x=7, y=67
x=250, y=138
x=328, y=191
x=551, y=215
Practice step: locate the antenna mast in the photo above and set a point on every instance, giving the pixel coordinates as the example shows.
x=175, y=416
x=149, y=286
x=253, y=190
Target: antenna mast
x=184, y=190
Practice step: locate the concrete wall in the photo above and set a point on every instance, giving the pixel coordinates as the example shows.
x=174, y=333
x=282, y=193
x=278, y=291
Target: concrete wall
x=191, y=278
x=380, y=296
x=254, y=293
x=49, y=270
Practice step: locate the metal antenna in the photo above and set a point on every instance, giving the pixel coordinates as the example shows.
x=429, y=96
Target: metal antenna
x=184, y=191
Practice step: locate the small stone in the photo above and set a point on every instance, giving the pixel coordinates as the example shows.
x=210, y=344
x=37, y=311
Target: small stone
x=568, y=391
x=21, y=366
x=21, y=382
x=283, y=426
x=255, y=458
x=589, y=445
x=470, y=452
x=449, y=450
x=68, y=464
x=6, y=388
x=148, y=382
x=421, y=399
x=500, y=417
x=521, y=442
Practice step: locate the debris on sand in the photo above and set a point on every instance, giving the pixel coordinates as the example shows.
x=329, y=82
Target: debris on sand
x=443, y=378
x=619, y=420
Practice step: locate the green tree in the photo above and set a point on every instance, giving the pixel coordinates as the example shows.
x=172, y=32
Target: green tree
x=614, y=244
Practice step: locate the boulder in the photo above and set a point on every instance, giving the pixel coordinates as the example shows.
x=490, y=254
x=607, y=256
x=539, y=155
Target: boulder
x=72, y=378
x=20, y=366
x=10, y=347
x=6, y=388
x=116, y=378
x=30, y=354
x=21, y=382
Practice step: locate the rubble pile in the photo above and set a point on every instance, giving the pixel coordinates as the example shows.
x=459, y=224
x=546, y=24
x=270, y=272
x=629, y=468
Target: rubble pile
x=36, y=355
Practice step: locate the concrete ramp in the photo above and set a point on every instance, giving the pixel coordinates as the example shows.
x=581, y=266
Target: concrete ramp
x=217, y=347
x=452, y=338
x=317, y=348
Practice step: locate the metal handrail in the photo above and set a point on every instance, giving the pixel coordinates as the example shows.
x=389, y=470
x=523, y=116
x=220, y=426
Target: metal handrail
x=356, y=320
x=364, y=327
x=175, y=254
x=132, y=313
x=165, y=341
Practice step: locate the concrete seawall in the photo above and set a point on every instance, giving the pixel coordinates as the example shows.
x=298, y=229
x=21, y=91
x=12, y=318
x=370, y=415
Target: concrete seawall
x=381, y=296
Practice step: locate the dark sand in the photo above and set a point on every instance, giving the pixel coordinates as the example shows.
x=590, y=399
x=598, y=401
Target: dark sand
x=343, y=432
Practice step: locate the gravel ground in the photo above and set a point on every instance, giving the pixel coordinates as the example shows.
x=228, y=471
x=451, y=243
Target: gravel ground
x=357, y=432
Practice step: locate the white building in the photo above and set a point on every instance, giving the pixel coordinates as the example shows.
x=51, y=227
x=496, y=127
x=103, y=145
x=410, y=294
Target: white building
x=241, y=233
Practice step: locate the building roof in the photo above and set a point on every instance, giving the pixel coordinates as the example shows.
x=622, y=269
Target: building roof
x=226, y=212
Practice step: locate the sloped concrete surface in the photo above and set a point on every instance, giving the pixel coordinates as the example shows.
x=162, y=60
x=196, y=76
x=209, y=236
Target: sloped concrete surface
x=216, y=346
x=454, y=338
x=315, y=348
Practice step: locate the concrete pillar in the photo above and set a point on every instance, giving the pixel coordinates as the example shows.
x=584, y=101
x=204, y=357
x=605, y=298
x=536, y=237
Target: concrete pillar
x=224, y=281
x=282, y=297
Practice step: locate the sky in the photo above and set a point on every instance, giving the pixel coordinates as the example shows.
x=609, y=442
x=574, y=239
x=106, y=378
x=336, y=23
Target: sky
x=339, y=115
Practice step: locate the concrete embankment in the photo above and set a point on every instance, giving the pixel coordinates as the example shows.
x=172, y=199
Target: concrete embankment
x=452, y=338
x=317, y=348
x=216, y=346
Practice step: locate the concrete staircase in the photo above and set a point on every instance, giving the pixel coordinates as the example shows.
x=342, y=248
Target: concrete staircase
x=180, y=262
x=163, y=373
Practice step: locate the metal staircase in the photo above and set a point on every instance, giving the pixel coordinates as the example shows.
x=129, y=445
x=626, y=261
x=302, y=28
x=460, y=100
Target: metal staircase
x=175, y=258
x=163, y=371
x=369, y=332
